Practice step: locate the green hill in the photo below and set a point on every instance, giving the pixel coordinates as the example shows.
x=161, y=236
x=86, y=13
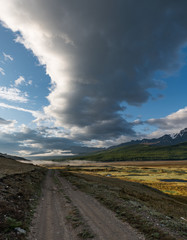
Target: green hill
x=140, y=152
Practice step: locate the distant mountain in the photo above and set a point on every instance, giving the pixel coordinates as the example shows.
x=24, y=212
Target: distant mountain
x=167, y=147
x=140, y=152
x=166, y=140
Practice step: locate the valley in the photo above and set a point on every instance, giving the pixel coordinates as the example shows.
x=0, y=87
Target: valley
x=94, y=200
x=140, y=152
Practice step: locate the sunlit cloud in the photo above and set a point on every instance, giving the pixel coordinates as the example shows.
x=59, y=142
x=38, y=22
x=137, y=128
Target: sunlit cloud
x=7, y=126
x=99, y=61
x=96, y=63
x=36, y=114
x=19, y=80
x=172, y=123
x=22, y=81
x=13, y=94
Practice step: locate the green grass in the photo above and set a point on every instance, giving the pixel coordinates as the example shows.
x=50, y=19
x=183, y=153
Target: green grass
x=12, y=223
x=140, y=152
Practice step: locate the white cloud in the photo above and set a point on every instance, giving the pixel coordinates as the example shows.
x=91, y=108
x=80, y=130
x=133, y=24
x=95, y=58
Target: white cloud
x=4, y=122
x=19, y=81
x=13, y=94
x=36, y=114
x=2, y=71
x=107, y=143
x=7, y=126
x=172, y=123
x=176, y=120
x=48, y=153
x=30, y=82
x=7, y=57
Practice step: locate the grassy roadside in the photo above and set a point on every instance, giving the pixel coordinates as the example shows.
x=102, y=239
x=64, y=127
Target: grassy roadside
x=155, y=214
x=168, y=179
x=19, y=195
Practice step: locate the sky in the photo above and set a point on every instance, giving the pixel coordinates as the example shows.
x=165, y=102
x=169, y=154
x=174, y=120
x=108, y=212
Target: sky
x=80, y=74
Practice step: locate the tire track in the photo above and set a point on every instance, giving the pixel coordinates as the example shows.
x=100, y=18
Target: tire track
x=102, y=221
x=50, y=220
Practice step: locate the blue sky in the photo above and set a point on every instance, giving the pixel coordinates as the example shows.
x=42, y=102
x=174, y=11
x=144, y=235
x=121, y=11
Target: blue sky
x=22, y=63
x=77, y=75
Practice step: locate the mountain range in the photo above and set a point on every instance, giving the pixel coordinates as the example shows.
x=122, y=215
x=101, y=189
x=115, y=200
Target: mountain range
x=167, y=147
x=155, y=144
x=165, y=140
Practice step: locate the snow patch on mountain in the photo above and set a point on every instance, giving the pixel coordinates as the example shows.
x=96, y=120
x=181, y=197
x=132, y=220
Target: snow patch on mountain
x=173, y=135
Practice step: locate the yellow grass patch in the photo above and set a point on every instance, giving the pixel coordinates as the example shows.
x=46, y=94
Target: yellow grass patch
x=171, y=180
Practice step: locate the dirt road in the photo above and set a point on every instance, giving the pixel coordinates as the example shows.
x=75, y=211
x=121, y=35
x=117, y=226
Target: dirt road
x=58, y=200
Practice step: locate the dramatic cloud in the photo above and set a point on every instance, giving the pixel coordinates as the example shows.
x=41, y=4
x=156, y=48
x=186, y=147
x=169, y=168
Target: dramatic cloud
x=20, y=80
x=173, y=123
x=100, y=55
x=2, y=71
x=7, y=57
x=13, y=94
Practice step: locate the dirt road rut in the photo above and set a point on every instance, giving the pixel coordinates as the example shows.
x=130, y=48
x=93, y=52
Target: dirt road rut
x=50, y=220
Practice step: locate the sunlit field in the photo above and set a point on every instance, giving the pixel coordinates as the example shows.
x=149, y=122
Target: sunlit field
x=151, y=196
x=170, y=179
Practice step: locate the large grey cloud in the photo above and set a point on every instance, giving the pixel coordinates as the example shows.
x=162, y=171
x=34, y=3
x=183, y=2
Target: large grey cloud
x=100, y=54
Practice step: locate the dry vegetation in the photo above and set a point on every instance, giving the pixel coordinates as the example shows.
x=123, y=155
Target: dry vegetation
x=19, y=188
x=126, y=190
x=152, y=197
x=10, y=166
x=171, y=180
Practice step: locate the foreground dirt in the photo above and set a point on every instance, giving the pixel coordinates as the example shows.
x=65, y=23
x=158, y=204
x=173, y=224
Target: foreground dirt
x=50, y=218
x=18, y=195
x=67, y=213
